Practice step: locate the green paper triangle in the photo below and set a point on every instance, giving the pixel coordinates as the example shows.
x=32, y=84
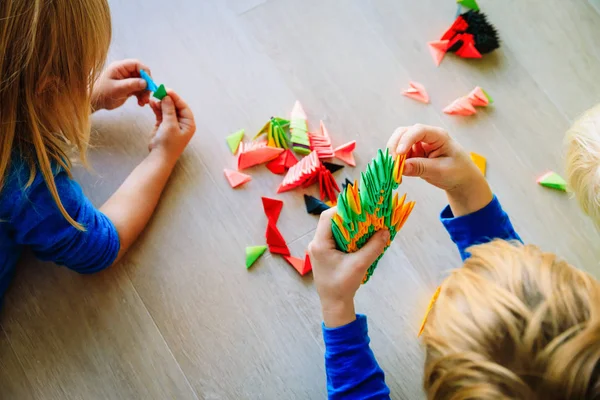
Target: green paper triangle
x=472, y=4
x=233, y=140
x=252, y=254
x=161, y=92
x=554, y=181
x=488, y=96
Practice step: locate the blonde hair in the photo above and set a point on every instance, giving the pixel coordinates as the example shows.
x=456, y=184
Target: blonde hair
x=52, y=52
x=583, y=161
x=514, y=323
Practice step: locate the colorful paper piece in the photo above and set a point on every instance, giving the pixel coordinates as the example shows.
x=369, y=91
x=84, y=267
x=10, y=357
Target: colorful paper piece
x=282, y=163
x=236, y=178
x=234, y=140
x=160, y=92
x=253, y=253
x=417, y=92
x=304, y=171
x=461, y=106
x=438, y=49
x=276, y=132
x=479, y=97
x=346, y=183
x=333, y=168
x=307, y=263
x=314, y=206
x=472, y=4
x=272, y=209
x=328, y=187
x=361, y=214
x=345, y=153
x=321, y=143
x=275, y=240
x=480, y=161
x=471, y=35
x=255, y=153
x=553, y=180
x=429, y=308
x=298, y=264
x=150, y=85
x=299, y=130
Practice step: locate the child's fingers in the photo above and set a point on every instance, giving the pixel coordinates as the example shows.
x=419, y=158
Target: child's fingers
x=183, y=110
x=419, y=167
x=431, y=135
x=132, y=67
x=323, y=237
x=169, y=113
x=363, y=258
x=156, y=108
x=392, y=144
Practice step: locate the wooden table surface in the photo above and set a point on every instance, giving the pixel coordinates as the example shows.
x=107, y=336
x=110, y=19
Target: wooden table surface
x=181, y=317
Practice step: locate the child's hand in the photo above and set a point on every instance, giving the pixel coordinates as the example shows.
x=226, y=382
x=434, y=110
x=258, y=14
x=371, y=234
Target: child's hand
x=337, y=275
x=435, y=157
x=174, y=127
x=119, y=81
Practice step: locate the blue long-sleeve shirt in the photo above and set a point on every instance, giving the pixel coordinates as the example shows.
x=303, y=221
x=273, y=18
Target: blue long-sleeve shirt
x=29, y=217
x=351, y=367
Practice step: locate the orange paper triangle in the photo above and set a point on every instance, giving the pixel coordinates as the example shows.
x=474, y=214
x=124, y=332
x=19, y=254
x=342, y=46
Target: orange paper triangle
x=345, y=153
x=417, y=92
x=236, y=178
x=257, y=154
x=438, y=50
x=480, y=161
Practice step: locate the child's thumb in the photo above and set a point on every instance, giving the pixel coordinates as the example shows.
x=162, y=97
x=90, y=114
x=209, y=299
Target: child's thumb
x=168, y=110
x=417, y=167
x=363, y=258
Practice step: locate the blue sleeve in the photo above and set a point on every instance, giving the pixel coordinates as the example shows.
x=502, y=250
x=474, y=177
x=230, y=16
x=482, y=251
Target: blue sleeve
x=352, y=371
x=483, y=226
x=39, y=224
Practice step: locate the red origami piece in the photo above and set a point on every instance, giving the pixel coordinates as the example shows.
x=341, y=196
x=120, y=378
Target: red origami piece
x=327, y=185
x=272, y=209
x=307, y=264
x=299, y=174
x=459, y=26
x=275, y=240
x=254, y=153
x=282, y=163
x=298, y=264
x=321, y=143
x=344, y=153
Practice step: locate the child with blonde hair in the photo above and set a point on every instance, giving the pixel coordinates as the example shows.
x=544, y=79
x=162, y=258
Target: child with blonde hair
x=583, y=161
x=50, y=82
x=513, y=322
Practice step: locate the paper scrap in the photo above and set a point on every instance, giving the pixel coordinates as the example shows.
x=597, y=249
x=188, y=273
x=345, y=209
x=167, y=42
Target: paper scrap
x=236, y=178
x=275, y=240
x=332, y=167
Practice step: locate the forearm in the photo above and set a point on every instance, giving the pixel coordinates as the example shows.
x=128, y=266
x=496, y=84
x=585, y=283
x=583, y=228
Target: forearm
x=131, y=206
x=469, y=198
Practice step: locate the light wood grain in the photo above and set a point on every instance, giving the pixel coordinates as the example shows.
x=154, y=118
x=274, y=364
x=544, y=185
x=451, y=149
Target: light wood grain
x=181, y=317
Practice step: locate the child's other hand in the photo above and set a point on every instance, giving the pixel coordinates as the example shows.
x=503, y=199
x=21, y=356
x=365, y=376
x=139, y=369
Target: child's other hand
x=338, y=275
x=438, y=159
x=174, y=127
x=119, y=81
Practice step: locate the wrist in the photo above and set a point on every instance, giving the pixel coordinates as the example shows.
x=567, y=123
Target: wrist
x=338, y=313
x=471, y=196
x=162, y=157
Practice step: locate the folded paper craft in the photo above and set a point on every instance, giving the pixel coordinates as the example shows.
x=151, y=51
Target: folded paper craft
x=307, y=264
x=255, y=153
x=304, y=171
x=333, y=168
x=345, y=153
x=429, y=308
x=438, y=49
x=553, y=181
x=480, y=161
x=472, y=4
x=328, y=187
x=314, y=206
x=275, y=240
x=417, y=92
x=299, y=130
x=321, y=142
x=276, y=132
x=272, y=209
x=234, y=140
x=298, y=264
x=461, y=106
x=471, y=35
x=253, y=253
x=361, y=214
x=282, y=163
x=158, y=91
x=236, y=178
x=346, y=183
x=479, y=97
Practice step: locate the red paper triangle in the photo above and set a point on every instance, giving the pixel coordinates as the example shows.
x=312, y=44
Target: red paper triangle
x=459, y=25
x=282, y=250
x=257, y=155
x=307, y=265
x=297, y=263
x=468, y=50
x=277, y=166
x=438, y=50
x=290, y=159
x=344, y=153
x=236, y=178
x=272, y=209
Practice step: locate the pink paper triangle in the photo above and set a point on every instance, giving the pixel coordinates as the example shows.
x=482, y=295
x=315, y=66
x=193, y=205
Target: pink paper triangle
x=478, y=98
x=417, y=92
x=438, y=50
x=461, y=106
x=236, y=178
x=344, y=153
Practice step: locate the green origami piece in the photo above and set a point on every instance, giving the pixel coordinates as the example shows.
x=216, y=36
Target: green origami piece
x=160, y=92
x=472, y=4
x=361, y=213
x=276, y=130
x=488, y=96
x=234, y=140
x=253, y=253
x=554, y=181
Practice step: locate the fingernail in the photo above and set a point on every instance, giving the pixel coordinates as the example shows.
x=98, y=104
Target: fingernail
x=386, y=235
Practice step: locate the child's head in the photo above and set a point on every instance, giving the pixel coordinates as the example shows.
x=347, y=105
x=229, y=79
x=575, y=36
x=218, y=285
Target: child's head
x=52, y=51
x=514, y=323
x=583, y=161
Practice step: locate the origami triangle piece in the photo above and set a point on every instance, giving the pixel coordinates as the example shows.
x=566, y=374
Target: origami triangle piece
x=304, y=171
x=299, y=130
x=277, y=165
x=346, y=183
x=160, y=93
x=275, y=240
x=297, y=263
x=480, y=161
x=553, y=180
x=290, y=159
x=307, y=265
x=332, y=167
x=281, y=250
x=461, y=106
x=236, y=178
x=438, y=49
x=255, y=153
x=429, y=308
x=253, y=253
x=490, y=100
x=468, y=50
x=417, y=92
x=314, y=206
x=478, y=97
x=471, y=4
x=272, y=209
x=344, y=153
x=459, y=25
x=321, y=143
x=233, y=140
x=150, y=84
